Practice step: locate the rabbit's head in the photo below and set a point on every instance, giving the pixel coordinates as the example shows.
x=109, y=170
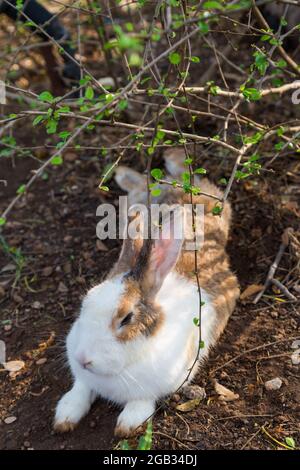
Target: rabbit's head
x=120, y=315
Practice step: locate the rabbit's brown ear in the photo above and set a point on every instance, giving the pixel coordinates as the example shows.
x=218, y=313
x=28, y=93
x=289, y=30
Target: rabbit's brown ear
x=131, y=247
x=159, y=256
x=129, y=179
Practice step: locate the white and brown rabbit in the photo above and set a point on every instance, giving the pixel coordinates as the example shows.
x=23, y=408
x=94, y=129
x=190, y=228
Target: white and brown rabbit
x=135, y=340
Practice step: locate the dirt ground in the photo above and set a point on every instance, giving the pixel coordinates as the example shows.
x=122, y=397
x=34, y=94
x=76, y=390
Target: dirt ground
x=62, y=260
x=54, y=227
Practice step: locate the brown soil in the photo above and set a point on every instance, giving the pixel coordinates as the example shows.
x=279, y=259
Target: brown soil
x=57, y=239
x=54, y=227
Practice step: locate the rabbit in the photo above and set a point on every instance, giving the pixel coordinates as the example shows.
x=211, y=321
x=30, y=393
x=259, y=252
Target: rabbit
x=135, y=340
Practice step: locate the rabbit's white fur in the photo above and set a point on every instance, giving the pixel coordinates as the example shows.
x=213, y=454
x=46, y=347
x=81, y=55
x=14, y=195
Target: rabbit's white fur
x=141, y=371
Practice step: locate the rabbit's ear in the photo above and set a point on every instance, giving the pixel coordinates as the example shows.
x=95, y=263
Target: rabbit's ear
x=129, y=179
x=131, y=247
x=158, y=257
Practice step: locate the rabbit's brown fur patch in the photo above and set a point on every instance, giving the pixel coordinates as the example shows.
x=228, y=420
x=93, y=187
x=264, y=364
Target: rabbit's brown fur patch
x=147, y=317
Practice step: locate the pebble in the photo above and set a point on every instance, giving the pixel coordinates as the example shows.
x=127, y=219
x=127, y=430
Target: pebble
x=26, y=444
x=36, y=305
x=274, y=384
x=10, y=419
x=176, y=397
x=296, y=357
x=47, y=271
x=296, y=344
x=41, y=361
x=193, y=392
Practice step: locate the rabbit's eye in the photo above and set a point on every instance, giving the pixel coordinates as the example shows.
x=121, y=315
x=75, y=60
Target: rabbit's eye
x=126, y=319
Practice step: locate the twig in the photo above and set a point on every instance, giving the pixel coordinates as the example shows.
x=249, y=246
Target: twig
x=274, y=266
x=284, y=290
x=256, y=348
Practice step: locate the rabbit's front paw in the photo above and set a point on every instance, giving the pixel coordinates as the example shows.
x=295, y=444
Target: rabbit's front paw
x=71, y=408
x=134, y=415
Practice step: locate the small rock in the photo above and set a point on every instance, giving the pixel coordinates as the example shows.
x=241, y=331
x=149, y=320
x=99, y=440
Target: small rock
x=296, y=344
x=176, y=397
x=10, y=419
x=36, y=305
x=296, y=357
x=274, y=384
x=67, y=267
x=17, y=298
x=193, y=392
x=41, y=361
x=47, y=271
x=26, y=444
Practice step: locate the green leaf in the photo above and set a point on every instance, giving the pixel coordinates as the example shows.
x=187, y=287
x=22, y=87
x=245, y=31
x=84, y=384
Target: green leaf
x=202, y=344
x=124, y=445
x=174, y=58
x=21, y=189
x=212, y=5
x=200, y=171
x=196, y=321
x=145, y=441
x=57, y=160
x=37, y=120
x=123, y=105
x=51, y=126
x=46, y=97
x=195, y=59
x=290, y=442
x=156, y=192
x=108, y=171
x=104, y=188
x=217, y=210
x=251, y=94
x=261, y=62
x=89, y=93
x=2, y=221
x=203, y=27
x=156, y=173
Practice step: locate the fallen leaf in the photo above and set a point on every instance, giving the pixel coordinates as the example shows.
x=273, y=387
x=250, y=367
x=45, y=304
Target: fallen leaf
x=13, y=366
x=251, y=290
x=10, y=419
x=188, y=405
x=62, y=287
x=8, y=267
x=224, y=393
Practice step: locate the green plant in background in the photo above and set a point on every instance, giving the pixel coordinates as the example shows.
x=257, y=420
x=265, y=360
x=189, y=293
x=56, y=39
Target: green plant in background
x=145, y=441
x=17, y=257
